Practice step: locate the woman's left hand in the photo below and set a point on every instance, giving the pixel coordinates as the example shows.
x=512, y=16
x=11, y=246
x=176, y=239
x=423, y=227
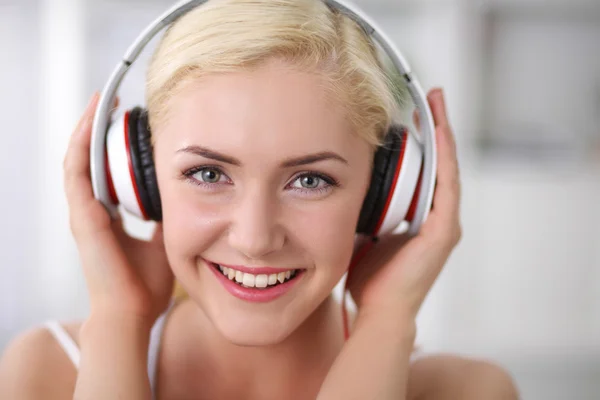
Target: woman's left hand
x=397, y=272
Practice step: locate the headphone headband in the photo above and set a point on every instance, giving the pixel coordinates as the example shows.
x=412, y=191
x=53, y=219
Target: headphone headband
x=107, y=97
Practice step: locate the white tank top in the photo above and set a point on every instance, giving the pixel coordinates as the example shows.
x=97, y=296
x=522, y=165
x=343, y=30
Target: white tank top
x=72, y=350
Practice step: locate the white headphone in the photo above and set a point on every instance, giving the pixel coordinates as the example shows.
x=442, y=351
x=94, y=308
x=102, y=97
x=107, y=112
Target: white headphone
x=402, y=181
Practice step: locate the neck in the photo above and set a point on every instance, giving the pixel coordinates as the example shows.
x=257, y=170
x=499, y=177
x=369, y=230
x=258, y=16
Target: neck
x=308, y=352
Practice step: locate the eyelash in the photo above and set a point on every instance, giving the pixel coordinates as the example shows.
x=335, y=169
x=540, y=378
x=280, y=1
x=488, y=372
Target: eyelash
x=330, y=182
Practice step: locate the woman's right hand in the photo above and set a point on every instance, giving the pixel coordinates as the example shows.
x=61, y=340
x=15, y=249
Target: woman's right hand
x=125, y=277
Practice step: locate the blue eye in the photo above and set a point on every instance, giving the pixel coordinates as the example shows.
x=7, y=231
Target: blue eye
x=310, y=181
x=208, y=175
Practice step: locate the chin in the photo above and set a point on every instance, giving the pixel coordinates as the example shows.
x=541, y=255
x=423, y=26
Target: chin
x=257, y=324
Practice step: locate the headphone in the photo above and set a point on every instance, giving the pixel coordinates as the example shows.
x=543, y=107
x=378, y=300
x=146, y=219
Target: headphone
x=404, y=167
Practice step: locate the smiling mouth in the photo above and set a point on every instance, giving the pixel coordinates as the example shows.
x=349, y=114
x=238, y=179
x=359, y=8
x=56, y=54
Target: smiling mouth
x=259, y=281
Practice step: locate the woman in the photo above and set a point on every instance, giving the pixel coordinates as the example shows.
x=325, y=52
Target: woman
x=265, y=116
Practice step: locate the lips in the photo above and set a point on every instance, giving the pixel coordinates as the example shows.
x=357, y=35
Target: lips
x=256, y=284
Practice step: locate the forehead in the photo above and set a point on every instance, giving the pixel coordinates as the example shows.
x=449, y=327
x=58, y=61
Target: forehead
x=273, y=107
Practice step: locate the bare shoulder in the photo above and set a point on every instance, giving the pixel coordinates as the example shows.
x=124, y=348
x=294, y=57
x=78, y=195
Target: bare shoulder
x=35, y=366
x=446, y=376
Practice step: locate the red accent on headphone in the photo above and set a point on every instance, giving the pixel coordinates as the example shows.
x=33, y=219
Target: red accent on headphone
x=413, y=205
x=111, y=187
x=393, y=187
x=131, y=173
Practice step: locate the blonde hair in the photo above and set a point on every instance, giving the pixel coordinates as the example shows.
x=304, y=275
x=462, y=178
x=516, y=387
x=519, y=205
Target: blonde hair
x=229, y=35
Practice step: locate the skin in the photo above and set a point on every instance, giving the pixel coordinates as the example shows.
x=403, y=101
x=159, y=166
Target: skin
x=258, y=214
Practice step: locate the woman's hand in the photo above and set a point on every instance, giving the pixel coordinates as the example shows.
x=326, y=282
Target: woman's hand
x=125, y=277
x=397, y=272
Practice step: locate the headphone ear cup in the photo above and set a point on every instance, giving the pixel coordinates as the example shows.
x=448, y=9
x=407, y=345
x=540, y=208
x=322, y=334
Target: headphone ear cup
x=142, y=164
x=394, y=188
x=146, y=163
x=385, y=161
x=130, y=173
x=136, y=170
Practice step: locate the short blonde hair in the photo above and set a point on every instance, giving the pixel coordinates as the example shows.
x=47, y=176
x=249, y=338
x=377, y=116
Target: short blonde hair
x=228, y=35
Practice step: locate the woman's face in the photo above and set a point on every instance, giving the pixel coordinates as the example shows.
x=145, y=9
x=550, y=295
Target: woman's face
x=259, y=171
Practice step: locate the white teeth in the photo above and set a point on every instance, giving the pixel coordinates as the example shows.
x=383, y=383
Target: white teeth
x=239, y=276
x=281, y=277
x=272, y=279
x=248, y=280
x=261, y=281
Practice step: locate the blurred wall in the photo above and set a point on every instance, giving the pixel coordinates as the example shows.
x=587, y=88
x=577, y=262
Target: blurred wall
x=19, y=163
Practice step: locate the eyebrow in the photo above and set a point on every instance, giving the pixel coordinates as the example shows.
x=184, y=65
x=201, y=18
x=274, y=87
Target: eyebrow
x=291, y=162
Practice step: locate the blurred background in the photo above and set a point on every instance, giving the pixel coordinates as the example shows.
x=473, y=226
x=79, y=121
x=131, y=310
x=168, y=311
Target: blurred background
x=522, y=79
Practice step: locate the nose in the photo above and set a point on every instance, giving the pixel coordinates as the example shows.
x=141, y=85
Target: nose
x=255, y=231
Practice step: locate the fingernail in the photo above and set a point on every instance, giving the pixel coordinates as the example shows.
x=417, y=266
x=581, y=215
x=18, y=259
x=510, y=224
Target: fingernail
x=92, y=101
x=87, y=115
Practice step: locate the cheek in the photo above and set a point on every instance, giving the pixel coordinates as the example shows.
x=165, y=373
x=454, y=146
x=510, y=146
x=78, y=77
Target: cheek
x=327, y=232
x=189, y=228
x=330, y=230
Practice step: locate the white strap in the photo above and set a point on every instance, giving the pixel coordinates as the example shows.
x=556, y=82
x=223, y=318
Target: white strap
x=154, y=346
x=72, y=350
x=65, y=341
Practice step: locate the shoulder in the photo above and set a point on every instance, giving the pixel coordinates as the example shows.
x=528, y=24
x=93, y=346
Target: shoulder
x=444, y=376
x=34, y=365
